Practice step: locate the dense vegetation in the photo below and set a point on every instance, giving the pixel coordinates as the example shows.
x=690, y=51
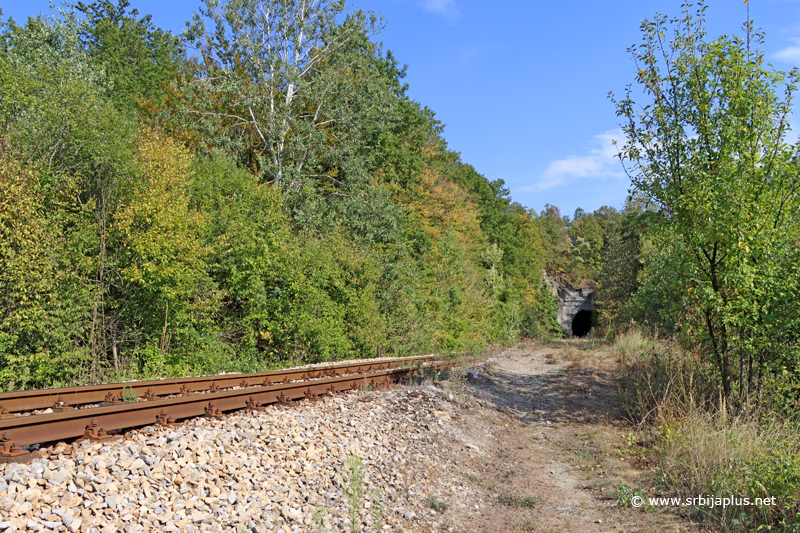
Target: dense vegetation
x=243, y=196
x=705, y=260
x=261, y=191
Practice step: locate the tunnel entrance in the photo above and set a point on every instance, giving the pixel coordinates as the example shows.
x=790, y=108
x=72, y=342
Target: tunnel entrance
x=582, y=323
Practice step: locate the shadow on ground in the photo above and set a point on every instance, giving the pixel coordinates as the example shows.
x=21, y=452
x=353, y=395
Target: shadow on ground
x=549, y=387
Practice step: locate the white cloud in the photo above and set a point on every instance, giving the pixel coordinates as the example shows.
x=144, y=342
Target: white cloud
x=598, y=163
x=446, y=8
x=790, y=54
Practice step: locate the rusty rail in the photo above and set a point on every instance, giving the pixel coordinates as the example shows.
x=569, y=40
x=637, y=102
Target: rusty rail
x=95, y=423
x=112, y=393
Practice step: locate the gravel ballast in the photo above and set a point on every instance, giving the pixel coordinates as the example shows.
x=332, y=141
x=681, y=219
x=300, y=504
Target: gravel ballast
x=268, y=471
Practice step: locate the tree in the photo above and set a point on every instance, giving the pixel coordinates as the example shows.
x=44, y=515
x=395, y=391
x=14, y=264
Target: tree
x=264, y=65
x=162, y=263
x=552, y=228
x=586, y=236
x=136, y=56
x=56, y=116
x=709, y=149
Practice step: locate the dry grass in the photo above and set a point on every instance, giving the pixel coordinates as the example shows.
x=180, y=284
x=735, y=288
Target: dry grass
x=701, y=448
x=659, y=382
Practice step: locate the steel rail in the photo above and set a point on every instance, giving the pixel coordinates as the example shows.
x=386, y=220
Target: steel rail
x=111, y=393
x=95, y=423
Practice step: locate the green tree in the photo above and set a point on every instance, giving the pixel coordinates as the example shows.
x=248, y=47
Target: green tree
x=622, y=260
x=57, y=117
x=552, y=227
x=586, y=235
x=136, y=56
x=161, y=256
x=266, y=63
x=708, y=148
x=45, y=302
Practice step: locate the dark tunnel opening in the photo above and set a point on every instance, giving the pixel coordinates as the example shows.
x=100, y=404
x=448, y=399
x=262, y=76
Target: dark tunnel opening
x=582, y=323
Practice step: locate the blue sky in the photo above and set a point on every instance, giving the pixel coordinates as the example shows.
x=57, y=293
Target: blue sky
x=522, y=85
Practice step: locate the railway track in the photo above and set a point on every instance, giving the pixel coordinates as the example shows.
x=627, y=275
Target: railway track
x=95, y=412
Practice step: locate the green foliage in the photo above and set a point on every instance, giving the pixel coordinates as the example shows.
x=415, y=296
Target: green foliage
x=625, y=493
x=272, y=209
x=165, y=261
x=516, y=500
x=284, y=298
x=586, y=236
x=708, y=149
x=129, y=395
x=136, y=57
x=553, y=229
x=377, y=509
x=623, y=257
x=45, y=306
x=320, y=513
x=436, y=503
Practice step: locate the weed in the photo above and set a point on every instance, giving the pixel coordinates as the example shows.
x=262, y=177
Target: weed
x=515, y=500
x=424, y=374
x=626, y=493
x=523, y=346
x=353, y=488
x=129, y=395
x=458, y=381
x=584, y=454
x=436, y=503
x=319, y=516
x=475, y=478
x=527, y=525
x=377, y=509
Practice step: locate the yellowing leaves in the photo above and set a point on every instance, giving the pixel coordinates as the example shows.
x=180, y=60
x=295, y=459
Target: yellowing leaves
x=156, y=224
x=444, y=205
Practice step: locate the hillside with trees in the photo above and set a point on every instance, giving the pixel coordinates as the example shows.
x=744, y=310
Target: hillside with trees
x=258, y=192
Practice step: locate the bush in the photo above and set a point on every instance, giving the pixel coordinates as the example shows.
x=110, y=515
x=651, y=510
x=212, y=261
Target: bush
x=701, y=448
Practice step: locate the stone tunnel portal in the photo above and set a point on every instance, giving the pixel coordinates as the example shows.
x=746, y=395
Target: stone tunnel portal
x=582, y=323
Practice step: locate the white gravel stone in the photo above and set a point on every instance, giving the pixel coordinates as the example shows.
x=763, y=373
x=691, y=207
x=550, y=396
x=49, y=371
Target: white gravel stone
x=267, y=471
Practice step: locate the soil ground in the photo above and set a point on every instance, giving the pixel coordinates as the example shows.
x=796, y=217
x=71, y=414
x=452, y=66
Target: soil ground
x=549, y=446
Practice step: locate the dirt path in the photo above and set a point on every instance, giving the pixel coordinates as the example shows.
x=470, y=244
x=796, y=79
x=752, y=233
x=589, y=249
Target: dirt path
x=544, y=446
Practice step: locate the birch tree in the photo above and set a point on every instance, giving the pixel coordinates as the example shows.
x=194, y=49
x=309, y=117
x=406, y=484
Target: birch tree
x=261, y=71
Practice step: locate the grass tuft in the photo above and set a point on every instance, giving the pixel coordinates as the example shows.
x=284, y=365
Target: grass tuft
x=515, y=500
